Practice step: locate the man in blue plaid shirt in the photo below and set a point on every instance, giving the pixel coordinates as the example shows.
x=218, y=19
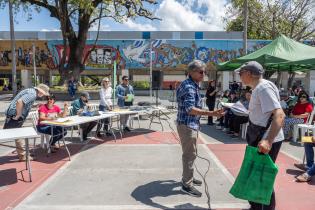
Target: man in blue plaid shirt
x=188, y=116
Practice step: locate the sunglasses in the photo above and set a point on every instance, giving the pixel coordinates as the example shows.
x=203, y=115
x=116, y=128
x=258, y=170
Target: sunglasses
x=201, y=72
x=126, y=79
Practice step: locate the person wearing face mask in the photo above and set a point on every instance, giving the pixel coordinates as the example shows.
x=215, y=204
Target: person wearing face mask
x=50, y=111
x=18, y=110
x=78, y=107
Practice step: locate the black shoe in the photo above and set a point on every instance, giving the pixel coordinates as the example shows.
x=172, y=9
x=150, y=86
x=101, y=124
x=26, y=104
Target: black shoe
x=191, y=190
x=127, y=129
x=99, y=135
x=108, y=134
x=84, y=138
x=197, y=182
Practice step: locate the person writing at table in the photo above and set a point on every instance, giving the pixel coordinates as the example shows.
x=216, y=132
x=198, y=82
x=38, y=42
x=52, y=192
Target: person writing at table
x=78, y=107
x=50, y=112
x=123, y=93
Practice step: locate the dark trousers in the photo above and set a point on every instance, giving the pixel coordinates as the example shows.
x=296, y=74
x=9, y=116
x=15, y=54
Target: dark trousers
x=236, y=121
x=104, y=122
x=211, y=108
x=273, y=154
x=57, y=132
x=227, y=118
x=71, y=91
x=87, y=127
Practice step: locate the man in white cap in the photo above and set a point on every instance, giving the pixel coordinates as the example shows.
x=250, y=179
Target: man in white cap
x=18, y=110
x=265, y=117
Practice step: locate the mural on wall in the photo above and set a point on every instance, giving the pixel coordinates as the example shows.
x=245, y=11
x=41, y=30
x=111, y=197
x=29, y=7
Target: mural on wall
x=171, y=54
x=24, y=55
x=165, y=53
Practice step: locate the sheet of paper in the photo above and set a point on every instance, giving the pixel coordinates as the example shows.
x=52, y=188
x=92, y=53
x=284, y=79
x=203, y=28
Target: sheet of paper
x=129, y=97
x=227, y=105
x=62, y=120
x=238, y=107
x=307, y=139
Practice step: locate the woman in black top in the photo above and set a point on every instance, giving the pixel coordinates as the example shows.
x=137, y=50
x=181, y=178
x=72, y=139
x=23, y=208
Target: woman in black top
x=210, y=95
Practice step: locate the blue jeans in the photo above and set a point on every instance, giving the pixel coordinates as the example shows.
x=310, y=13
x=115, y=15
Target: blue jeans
x=309, y=153
x=71, y=91
x=57, y=132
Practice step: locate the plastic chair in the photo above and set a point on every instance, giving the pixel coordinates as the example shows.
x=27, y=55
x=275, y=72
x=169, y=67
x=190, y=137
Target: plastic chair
x=244, y=129
x=43, y=137
x=304, y=127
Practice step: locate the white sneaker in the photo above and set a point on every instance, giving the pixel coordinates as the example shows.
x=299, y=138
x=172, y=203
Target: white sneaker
x=224, y=129
x=218, y=127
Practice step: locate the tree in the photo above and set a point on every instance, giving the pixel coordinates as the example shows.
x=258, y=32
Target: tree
x=77, y=16
x=270, y=18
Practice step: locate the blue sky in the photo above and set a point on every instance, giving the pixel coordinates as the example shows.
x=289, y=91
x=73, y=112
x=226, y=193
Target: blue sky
x=178, y=15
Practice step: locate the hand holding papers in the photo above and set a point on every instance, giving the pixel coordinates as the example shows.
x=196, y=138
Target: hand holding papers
x=239, y=109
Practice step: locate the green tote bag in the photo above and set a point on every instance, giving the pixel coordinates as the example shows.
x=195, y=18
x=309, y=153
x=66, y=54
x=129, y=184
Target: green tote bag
x=256, y=177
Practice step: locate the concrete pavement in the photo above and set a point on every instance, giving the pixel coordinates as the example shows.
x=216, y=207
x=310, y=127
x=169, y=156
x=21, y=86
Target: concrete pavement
x=143, y=172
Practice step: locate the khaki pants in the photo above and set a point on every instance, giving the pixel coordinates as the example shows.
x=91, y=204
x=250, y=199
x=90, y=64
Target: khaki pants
x=10, y=123
x=188, y=138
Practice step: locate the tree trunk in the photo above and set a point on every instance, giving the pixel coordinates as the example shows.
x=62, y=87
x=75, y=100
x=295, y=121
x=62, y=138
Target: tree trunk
x=291, y=79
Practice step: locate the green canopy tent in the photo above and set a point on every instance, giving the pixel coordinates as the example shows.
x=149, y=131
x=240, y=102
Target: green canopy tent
x=282, y=54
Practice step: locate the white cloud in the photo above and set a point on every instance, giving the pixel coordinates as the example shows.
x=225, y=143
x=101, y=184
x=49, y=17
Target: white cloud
x=191, y=15
x=45, y=29
x=139, y=26
x=104, y=27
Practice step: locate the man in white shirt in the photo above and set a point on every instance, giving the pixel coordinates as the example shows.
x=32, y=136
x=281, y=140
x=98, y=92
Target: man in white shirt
x=265, y=117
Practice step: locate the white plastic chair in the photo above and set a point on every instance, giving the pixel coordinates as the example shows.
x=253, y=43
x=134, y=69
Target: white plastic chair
x=304, y=127
x=80, y=131
x=244, y=129
x=43, y=137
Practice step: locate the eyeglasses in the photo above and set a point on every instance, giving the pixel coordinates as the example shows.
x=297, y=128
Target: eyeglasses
x=303, y=97
x=201, y=72
x=126, y=79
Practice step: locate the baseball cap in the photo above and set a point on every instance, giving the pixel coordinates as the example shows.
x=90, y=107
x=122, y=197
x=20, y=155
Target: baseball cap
x=253, y=66
x=86, y=95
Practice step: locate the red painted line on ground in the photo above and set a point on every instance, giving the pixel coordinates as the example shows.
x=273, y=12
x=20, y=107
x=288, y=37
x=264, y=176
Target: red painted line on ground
x=14, y=189
x=290, y=195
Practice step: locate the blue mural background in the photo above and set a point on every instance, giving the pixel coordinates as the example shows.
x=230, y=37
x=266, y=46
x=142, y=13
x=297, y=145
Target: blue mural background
x=165, y=53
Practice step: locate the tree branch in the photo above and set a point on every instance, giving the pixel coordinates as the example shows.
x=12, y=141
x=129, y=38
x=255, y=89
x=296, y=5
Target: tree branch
x=53, y=10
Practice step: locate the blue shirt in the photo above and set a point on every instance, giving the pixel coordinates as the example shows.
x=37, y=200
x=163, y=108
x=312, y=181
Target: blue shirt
x=28, y=97
x=188, y=96
x=121, y=92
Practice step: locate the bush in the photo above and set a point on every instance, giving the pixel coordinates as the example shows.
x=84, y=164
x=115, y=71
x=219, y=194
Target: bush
x=141, y=85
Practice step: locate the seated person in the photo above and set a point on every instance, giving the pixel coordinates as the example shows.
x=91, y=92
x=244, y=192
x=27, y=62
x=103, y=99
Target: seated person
x=236, y=121
x=309, y=168
x=228, y=112
x=78, y=107
x=50, y=111
x=299, y=114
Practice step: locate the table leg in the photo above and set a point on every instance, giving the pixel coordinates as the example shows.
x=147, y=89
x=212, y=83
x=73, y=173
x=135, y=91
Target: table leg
x=63, y=140
x=28, y=165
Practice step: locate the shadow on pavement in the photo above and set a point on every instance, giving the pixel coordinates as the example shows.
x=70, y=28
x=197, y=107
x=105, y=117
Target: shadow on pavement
x=8, y=177
x=163, y=188
x=219, y=135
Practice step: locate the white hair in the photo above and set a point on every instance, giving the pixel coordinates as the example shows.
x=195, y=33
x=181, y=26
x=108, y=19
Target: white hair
x=195, y=65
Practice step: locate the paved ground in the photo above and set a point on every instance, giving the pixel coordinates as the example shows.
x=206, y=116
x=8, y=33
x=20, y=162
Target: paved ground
x=141, y=172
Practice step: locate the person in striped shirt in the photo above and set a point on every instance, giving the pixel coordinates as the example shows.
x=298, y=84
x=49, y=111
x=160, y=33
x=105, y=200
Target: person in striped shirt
x=18, y=110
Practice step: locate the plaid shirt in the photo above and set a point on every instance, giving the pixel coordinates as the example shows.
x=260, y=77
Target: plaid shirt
x=28, y=97
x=188, y=96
